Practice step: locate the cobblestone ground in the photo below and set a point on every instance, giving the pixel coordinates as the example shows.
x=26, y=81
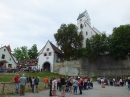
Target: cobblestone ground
x=97, y=91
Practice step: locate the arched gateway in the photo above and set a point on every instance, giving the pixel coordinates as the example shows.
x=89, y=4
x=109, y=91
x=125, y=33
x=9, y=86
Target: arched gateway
x=46, y=66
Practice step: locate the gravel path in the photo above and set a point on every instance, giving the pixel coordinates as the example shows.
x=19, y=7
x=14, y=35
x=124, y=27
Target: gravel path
x=97, y=91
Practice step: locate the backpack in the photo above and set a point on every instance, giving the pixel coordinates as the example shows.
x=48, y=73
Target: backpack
x=36, y=80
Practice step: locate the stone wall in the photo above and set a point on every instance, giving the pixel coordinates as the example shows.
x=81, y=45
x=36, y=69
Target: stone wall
x=103, y=66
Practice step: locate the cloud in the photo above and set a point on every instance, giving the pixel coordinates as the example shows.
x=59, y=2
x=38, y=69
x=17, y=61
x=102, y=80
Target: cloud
x=28, y=22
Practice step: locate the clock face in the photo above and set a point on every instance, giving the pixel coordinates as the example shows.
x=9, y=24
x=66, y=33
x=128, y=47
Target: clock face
x=80, y=20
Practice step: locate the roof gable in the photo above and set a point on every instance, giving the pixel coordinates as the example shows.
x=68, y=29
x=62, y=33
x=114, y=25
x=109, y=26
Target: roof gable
x=57, y=50
x=9, y=51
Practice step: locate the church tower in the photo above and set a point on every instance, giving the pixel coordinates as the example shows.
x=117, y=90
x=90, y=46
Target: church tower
x=84, y=25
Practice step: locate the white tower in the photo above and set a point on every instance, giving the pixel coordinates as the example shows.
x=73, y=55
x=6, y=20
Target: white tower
x=84, y=25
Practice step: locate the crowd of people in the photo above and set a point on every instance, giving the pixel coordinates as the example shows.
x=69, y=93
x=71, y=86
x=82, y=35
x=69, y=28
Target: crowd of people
x=73, y=85
x=21, y=82
x=70, y=85
x=117, y=81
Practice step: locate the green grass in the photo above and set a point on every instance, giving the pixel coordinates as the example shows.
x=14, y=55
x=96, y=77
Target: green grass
x=7, y=77
x=10, y=88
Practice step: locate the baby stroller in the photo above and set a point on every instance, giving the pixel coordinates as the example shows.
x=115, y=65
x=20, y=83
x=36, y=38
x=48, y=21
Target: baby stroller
x=67, y=88
x=117, y=84
x=91, y=85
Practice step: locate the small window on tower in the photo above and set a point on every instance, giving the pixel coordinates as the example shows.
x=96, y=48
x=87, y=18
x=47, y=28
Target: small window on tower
x=81, y=26
x=47, y=49
x=86, y=33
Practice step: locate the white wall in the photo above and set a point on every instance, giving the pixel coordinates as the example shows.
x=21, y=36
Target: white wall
x=7, y=57
x=42, y=59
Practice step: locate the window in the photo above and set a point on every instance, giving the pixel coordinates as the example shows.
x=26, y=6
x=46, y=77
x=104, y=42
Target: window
x=47, y=49
x=49, y=53
x=3, y=56
x=10, y=65
x=86, y=33
x=4, y=49
x=87, y=40
x=45, y=54
x=81, y=26
x=85, y=25
x=10, y=59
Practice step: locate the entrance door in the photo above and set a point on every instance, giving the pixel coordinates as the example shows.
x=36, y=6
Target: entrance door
x=46, y=66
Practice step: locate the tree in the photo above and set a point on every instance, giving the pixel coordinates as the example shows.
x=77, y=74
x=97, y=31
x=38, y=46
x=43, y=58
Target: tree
x=21, y=53
x=33, y=52
x=69, y=40
x=120, y=42
x=97, y=45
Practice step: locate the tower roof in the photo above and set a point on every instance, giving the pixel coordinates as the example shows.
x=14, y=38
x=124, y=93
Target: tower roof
x=81, y=15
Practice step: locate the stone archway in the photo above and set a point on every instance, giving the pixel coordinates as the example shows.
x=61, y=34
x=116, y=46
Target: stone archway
x=46, y=66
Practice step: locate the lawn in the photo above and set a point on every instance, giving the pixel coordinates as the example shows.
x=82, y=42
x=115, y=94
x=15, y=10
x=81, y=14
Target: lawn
x=10, y=88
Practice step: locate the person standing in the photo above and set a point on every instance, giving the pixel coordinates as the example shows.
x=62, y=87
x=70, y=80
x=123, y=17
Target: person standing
x=75, y=84
x=30, y=81
x=102, y=83
x=129, y=83
x=80, y=86
x=16, y=81
x=50, y=93
x=22, y=82
x=46, y=81
x=54, y=87
x=33, y=83
x=63, y=86
x=36, y=83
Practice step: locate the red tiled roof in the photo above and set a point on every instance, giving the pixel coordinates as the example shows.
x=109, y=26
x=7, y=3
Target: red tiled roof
x=55, y=48
x=29, y=62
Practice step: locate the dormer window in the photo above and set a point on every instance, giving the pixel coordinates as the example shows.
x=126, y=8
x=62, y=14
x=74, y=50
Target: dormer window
x=47, y=49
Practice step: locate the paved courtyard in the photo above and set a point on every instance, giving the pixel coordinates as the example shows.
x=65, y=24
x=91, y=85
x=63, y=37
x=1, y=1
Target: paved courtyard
x=97, y=91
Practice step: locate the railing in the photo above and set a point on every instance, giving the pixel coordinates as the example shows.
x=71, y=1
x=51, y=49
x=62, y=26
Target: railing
x=8, y=70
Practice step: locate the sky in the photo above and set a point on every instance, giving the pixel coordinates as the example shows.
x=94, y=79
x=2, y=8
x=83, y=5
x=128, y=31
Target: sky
x=28, y=22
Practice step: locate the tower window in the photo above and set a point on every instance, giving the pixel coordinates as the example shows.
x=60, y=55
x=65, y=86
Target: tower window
x=86, y=33
x=81, y=26
x=87, y=40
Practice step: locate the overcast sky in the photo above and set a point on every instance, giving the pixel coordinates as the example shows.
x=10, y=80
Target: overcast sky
x=28, y=22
